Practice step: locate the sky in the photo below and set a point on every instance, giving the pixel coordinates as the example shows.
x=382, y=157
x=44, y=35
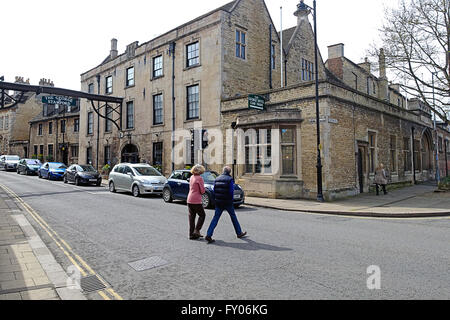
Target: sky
x=59, y=40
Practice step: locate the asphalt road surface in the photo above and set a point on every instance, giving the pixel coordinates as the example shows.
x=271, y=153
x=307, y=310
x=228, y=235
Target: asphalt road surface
x=287, y=256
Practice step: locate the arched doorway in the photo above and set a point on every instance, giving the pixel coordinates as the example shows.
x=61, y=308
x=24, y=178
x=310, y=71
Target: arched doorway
x=130, y=154
x=427, y=151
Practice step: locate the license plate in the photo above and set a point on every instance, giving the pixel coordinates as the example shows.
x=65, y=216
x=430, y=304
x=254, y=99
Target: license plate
x=93, y=180
x=237, y=196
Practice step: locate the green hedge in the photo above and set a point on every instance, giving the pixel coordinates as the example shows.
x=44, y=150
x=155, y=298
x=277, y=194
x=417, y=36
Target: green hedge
x=445, y=184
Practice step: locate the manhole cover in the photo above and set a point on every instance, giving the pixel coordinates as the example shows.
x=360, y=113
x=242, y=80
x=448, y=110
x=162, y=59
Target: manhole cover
x=147, y=264
x=91, y=284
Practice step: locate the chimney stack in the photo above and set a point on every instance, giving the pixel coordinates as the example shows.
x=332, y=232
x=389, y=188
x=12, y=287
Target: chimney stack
x=114, y=53
x=384, y=86
x=46, y=83
x=365, y=65
x=336, y=51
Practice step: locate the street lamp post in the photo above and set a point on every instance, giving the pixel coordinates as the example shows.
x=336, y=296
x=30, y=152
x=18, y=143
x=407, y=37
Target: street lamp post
x=438, y=174
x=303, y=6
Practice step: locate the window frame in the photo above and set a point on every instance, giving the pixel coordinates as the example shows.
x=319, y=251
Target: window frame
x=189, y=103
x=193, y=61
x=90, y=126
x=129, y=116
x=372, y=151
x=161, y=69
x=130, y=81
x=241, y=44
x=108, y=86
x=76, y=125
x=161, y=109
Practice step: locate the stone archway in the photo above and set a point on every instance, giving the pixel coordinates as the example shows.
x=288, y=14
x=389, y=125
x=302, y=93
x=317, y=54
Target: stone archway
x=130, y=154
x=427, y=151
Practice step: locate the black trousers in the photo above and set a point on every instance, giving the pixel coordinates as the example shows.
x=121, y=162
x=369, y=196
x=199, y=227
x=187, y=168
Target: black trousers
x=383, y=187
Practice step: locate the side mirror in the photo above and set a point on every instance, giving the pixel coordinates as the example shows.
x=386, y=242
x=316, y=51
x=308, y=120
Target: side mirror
x=189, y=180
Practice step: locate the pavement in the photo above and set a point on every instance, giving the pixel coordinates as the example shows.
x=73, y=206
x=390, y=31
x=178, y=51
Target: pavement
x=418, y=201
x=28, y=270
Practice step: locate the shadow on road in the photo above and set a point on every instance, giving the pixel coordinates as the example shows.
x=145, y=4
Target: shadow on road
x=250, y=245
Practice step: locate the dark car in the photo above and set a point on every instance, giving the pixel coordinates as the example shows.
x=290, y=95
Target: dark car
x=177, y=188
x=52, y=171
x=82, y=174
x=29, y=166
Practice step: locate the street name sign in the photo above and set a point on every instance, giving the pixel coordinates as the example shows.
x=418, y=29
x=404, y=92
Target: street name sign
x=256, y=102
x=66, y=101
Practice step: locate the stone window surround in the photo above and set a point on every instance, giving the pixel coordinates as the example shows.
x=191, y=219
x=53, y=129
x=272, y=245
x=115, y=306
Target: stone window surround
x=107, y=121
x=297, y=161
x=187, y=43
x=156, y=93
x=88, y=124
x=40, y=130
x=371, y=149
x=241, y=31
x=126, y=115
x=50, y=128
x=186, y=115
x=53, y=150
x=131, y=66
x=395, y=150
x=153, y=57
x=106, y=84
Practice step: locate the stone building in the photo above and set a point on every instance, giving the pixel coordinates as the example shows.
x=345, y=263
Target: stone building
x=14, y=118
x=364, y=120
x=229, y=52
x=54, y=134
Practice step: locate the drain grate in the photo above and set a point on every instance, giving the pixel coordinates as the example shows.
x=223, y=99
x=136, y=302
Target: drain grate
x=91, y=284
x=147, y=264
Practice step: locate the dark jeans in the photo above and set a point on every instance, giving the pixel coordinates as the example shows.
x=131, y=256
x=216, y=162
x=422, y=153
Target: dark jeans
x=383, y=187
x=194, y=210
x=218, y=214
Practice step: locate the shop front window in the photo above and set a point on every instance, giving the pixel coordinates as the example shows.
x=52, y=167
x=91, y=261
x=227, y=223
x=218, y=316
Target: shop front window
x=288, y=151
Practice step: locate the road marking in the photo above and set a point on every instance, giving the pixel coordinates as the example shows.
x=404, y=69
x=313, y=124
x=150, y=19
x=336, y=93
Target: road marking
x=70, y=254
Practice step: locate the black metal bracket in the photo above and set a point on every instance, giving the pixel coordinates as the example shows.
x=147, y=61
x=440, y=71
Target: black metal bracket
x=22, y=88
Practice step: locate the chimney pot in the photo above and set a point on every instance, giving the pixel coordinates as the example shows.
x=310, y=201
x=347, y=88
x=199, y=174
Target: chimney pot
x=114, y=53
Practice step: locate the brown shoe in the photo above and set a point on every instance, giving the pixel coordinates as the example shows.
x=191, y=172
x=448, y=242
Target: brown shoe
x=242, y=235
x=210, y=240
x=194, y=237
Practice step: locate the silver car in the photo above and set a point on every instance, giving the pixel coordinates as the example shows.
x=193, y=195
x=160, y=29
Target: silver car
x=9, y=163
x=139, y=179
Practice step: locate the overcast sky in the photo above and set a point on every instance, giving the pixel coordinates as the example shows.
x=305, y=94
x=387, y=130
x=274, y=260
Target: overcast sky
x=59, y=40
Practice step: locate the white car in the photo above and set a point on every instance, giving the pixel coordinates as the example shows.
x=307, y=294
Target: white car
x=139, y=179
x=9, y=163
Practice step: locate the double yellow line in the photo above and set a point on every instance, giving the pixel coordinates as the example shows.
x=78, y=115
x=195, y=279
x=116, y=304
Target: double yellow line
x=76, y=260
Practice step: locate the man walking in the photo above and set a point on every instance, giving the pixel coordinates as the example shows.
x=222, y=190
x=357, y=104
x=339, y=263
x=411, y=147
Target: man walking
x=224, y=199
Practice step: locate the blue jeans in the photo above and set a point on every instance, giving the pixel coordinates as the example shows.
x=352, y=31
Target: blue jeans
x=218, y=214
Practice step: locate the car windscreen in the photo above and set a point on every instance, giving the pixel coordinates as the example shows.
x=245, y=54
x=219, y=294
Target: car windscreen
x=33, y=162
x=87, y=169
x=209, y=177
x=12, y=158
x=57, y=166
x=147, y=171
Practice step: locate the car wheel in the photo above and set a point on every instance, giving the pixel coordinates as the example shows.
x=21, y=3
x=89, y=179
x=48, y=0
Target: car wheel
x=65, y=180
x=167, y=195
x=77, y=181
x=206, y=201
x=98, y=184
x=39, y=175
x=18, y=172
x=112, y=188
x=136, y=191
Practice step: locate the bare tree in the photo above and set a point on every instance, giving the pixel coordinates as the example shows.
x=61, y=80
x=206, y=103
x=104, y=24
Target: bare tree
x=415, y=37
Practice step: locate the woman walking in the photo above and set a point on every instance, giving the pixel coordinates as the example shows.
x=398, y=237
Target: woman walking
x=195, y=205
x=380, y=179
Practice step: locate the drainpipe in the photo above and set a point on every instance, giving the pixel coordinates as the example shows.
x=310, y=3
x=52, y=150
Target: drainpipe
x=271, y=56
x=413, y=156
x=172, y=52
x=98, y=122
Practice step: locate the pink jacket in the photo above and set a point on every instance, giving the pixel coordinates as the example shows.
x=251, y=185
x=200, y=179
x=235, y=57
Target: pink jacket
x=196, y=190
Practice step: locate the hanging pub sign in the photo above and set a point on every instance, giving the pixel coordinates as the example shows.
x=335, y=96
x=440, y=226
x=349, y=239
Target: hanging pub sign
x=66, y=101
x=256, y=102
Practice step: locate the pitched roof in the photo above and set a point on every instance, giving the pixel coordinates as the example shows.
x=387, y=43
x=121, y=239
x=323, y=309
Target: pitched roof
x=287, y=36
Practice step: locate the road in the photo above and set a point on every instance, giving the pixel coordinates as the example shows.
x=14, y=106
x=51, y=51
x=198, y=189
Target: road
x=288, y=255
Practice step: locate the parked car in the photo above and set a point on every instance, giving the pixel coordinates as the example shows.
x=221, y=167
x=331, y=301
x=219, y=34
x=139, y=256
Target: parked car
x=177, y=188
x=29, y=166
x=82, y=174
x=9, y=163
x=139, y=179
x=52, y=171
